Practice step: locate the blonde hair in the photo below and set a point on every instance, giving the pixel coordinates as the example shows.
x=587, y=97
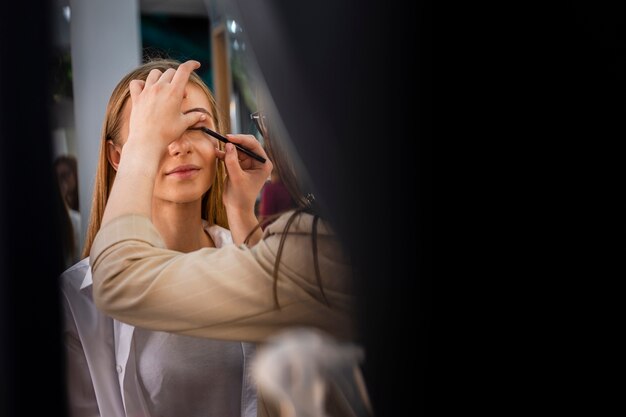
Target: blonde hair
x=213, y=210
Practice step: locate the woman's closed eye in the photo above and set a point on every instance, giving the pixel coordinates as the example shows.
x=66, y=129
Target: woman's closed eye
x=197, y=132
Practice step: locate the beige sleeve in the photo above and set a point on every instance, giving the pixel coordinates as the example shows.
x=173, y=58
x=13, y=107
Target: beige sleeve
x=224, y=293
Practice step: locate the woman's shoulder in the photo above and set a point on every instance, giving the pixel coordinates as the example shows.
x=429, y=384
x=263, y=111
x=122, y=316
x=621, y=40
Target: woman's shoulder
x=76, y=285
x=75, y=274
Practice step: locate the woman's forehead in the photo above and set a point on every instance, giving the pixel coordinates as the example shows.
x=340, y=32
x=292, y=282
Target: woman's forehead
x=194, y=93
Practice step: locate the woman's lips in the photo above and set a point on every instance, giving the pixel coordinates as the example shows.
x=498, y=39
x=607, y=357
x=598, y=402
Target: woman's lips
x=183, y=171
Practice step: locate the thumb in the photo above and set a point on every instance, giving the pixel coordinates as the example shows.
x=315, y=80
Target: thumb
x=232, y=162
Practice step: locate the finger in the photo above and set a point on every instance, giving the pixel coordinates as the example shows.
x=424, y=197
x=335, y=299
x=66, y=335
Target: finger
x=220, y=154
x=153, y=77
x=135, y=87
x=249, y=142
x=167, y=75
x=232, y=162
x=182, y=75
x=194, y=117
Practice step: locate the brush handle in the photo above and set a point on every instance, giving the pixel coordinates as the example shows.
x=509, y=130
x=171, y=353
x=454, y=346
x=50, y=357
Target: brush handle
x=239, y=147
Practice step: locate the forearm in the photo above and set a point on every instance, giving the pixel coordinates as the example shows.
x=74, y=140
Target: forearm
x=134, y=182
x=221, y=293
x=212, y=300
x=143, y=286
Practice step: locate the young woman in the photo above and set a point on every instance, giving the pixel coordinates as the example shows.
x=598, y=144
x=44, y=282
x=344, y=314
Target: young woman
x=116, y=369
x=292, y=274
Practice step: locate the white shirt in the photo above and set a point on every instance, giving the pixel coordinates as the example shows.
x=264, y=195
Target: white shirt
x=160, y=374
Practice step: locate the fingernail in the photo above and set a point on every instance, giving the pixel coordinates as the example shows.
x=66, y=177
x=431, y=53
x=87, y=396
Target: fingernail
x=230, y=147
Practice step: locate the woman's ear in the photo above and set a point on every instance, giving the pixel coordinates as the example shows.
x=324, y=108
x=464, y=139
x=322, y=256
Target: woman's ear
x=113, y=154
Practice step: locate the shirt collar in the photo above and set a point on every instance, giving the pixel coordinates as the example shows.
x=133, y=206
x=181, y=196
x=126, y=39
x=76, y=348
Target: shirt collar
x=87, y=281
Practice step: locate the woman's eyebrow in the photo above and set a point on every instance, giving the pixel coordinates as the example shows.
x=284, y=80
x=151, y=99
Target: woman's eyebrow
x=199, y=109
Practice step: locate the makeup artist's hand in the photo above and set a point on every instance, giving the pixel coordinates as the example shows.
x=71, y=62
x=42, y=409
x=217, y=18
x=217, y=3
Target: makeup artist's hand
x=156, y=118
x=245, y=175
x=244, y=180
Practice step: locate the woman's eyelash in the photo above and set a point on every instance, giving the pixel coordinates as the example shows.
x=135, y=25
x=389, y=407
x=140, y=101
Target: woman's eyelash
x=206, y=135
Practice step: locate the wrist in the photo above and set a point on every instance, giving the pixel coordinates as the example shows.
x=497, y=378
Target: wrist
x=241, y=223
x=241, y=214
x=139, y=160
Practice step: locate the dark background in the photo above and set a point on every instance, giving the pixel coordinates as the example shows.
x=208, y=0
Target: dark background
x=30, y=249
x=179, y=38
x=524, y=149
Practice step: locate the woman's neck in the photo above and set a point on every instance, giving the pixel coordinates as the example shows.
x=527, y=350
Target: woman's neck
x=180, y=226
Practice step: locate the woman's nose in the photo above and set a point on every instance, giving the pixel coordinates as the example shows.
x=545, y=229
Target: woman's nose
x=180, y=146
